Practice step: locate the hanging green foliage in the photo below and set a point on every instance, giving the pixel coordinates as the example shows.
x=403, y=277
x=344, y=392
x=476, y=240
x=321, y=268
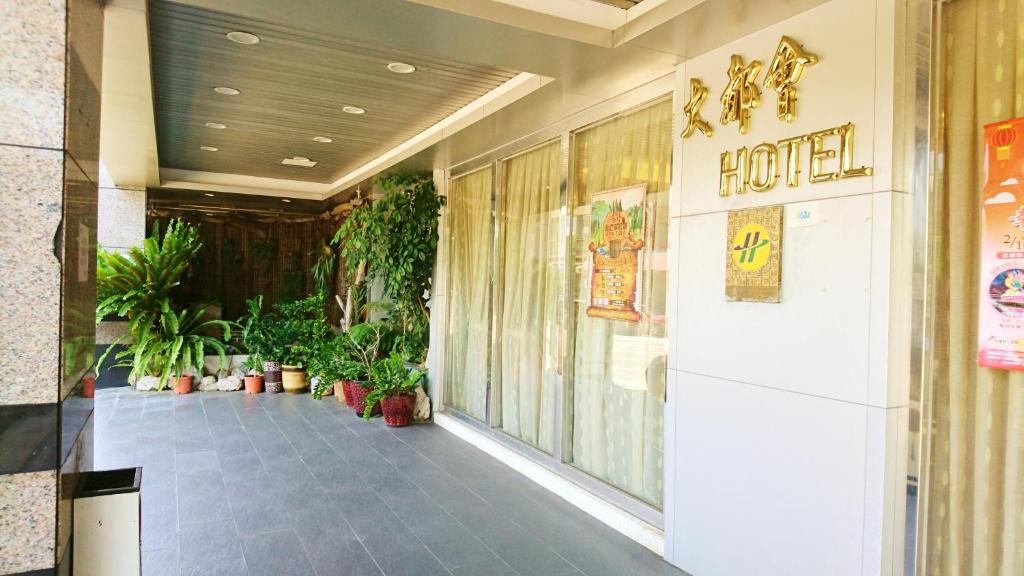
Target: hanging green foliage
x=396, y=236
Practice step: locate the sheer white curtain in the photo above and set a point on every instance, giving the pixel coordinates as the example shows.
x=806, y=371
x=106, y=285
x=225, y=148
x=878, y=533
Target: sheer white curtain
x=618, y=384
x=469, y=314
x=532, y=279
x=973, y=486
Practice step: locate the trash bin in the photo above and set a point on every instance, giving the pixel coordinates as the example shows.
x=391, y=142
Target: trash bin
x=107, y=525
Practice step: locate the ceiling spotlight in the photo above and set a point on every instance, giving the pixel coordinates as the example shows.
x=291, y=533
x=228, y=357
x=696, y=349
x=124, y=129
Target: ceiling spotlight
x=323, y=139
x=286, y=201
x=208, y=148
x=240, y=37
x=226, y=91
x=353, y=110
x=208, y=194
x=216, y=125
x=401, y=68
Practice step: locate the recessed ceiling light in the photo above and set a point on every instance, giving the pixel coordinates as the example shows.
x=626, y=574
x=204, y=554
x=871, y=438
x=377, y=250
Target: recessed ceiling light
x=286, y=201
x=209, y=148
x=227, y=91
x=243, y=37
x=216, y=125
x=353, y=110
x=323, y=139
x=401, y=68
x=207, y=194
x=299, y=161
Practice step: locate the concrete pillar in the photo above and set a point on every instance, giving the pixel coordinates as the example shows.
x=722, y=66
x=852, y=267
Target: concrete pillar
x=50, y=70
x=121, y=218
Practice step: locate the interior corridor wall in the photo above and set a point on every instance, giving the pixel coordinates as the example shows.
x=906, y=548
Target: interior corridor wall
x=785, y=421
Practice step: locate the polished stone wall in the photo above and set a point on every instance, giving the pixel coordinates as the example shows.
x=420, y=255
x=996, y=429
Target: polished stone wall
x=50, y=72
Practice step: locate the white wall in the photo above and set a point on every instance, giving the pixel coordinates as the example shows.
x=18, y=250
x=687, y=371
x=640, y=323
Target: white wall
x=783, y=424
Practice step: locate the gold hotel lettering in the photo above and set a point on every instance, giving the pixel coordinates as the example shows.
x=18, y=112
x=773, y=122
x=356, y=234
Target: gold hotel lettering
x=758, y=169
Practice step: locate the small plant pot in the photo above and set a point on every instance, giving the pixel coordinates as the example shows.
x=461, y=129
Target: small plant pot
x=183, y=385
x=272, y=377
x=398, y=410
x=359, y=395
x=89, y=387
x=253, y=384
x=294, y=379
x=340, y=392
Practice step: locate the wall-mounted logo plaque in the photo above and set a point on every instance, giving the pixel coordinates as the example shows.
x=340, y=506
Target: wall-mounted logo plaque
x=753, y=261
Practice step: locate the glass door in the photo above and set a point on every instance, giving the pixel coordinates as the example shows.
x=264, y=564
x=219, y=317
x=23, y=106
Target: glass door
x=528, y=303
x=470, y=233
x=617, y=388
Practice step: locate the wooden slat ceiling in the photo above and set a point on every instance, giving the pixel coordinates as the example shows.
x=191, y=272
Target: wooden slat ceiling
x=293, y=85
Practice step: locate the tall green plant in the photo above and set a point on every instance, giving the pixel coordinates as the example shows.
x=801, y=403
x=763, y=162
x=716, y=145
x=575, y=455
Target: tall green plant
x=397, y=237
x=137, y=286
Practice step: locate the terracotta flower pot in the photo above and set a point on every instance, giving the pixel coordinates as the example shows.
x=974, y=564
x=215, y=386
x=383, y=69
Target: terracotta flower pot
x=359, y=395
x=183, y=385
x=272, y=377
x=398, y=410
x=294, y=379
x=253, y=384
x=89, y=387
x=340, y=392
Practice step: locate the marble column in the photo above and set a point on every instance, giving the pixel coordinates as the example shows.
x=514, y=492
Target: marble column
x=50, y=70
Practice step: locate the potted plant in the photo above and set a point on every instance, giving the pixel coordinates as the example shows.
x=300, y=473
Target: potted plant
x=259, y=338
x=394, y=388
x=177, y=342
x=253, y=375
x=363, y=344
x=301, y=326
x=351, y=373
x=137, y=287
x=325, y=366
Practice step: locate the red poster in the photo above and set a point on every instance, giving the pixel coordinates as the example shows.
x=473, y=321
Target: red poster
x=1001, y=307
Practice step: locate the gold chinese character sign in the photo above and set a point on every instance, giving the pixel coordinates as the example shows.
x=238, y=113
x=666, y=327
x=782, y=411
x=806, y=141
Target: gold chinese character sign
x=784, y=72
x=753, y=260
x=741, y=94
x=698, y=93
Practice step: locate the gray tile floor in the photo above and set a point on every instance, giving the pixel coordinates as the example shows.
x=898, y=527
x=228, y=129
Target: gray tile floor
x=277, y=484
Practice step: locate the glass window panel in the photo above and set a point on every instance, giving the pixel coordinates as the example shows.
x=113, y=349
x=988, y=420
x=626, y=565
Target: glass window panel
x=618, y=383
x=469, y=315
x=972, y=499
x=531, y=295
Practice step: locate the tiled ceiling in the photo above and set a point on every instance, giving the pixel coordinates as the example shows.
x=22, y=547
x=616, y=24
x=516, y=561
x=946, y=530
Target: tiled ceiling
x=624, y=4
x=293, y=86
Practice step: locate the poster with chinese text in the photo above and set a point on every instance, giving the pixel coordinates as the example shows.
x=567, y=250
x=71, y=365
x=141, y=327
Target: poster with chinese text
x=617, y=249
x=1001, y=295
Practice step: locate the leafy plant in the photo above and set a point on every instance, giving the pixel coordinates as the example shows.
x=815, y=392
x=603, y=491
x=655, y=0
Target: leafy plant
x=326, y=364
x=176, y=342
x=138, y=286
x=396, y=239
x=256, y=333
x=324, y=268
x=135, y=286
x=364, y=343
x=298, y=328
x=390, y=377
